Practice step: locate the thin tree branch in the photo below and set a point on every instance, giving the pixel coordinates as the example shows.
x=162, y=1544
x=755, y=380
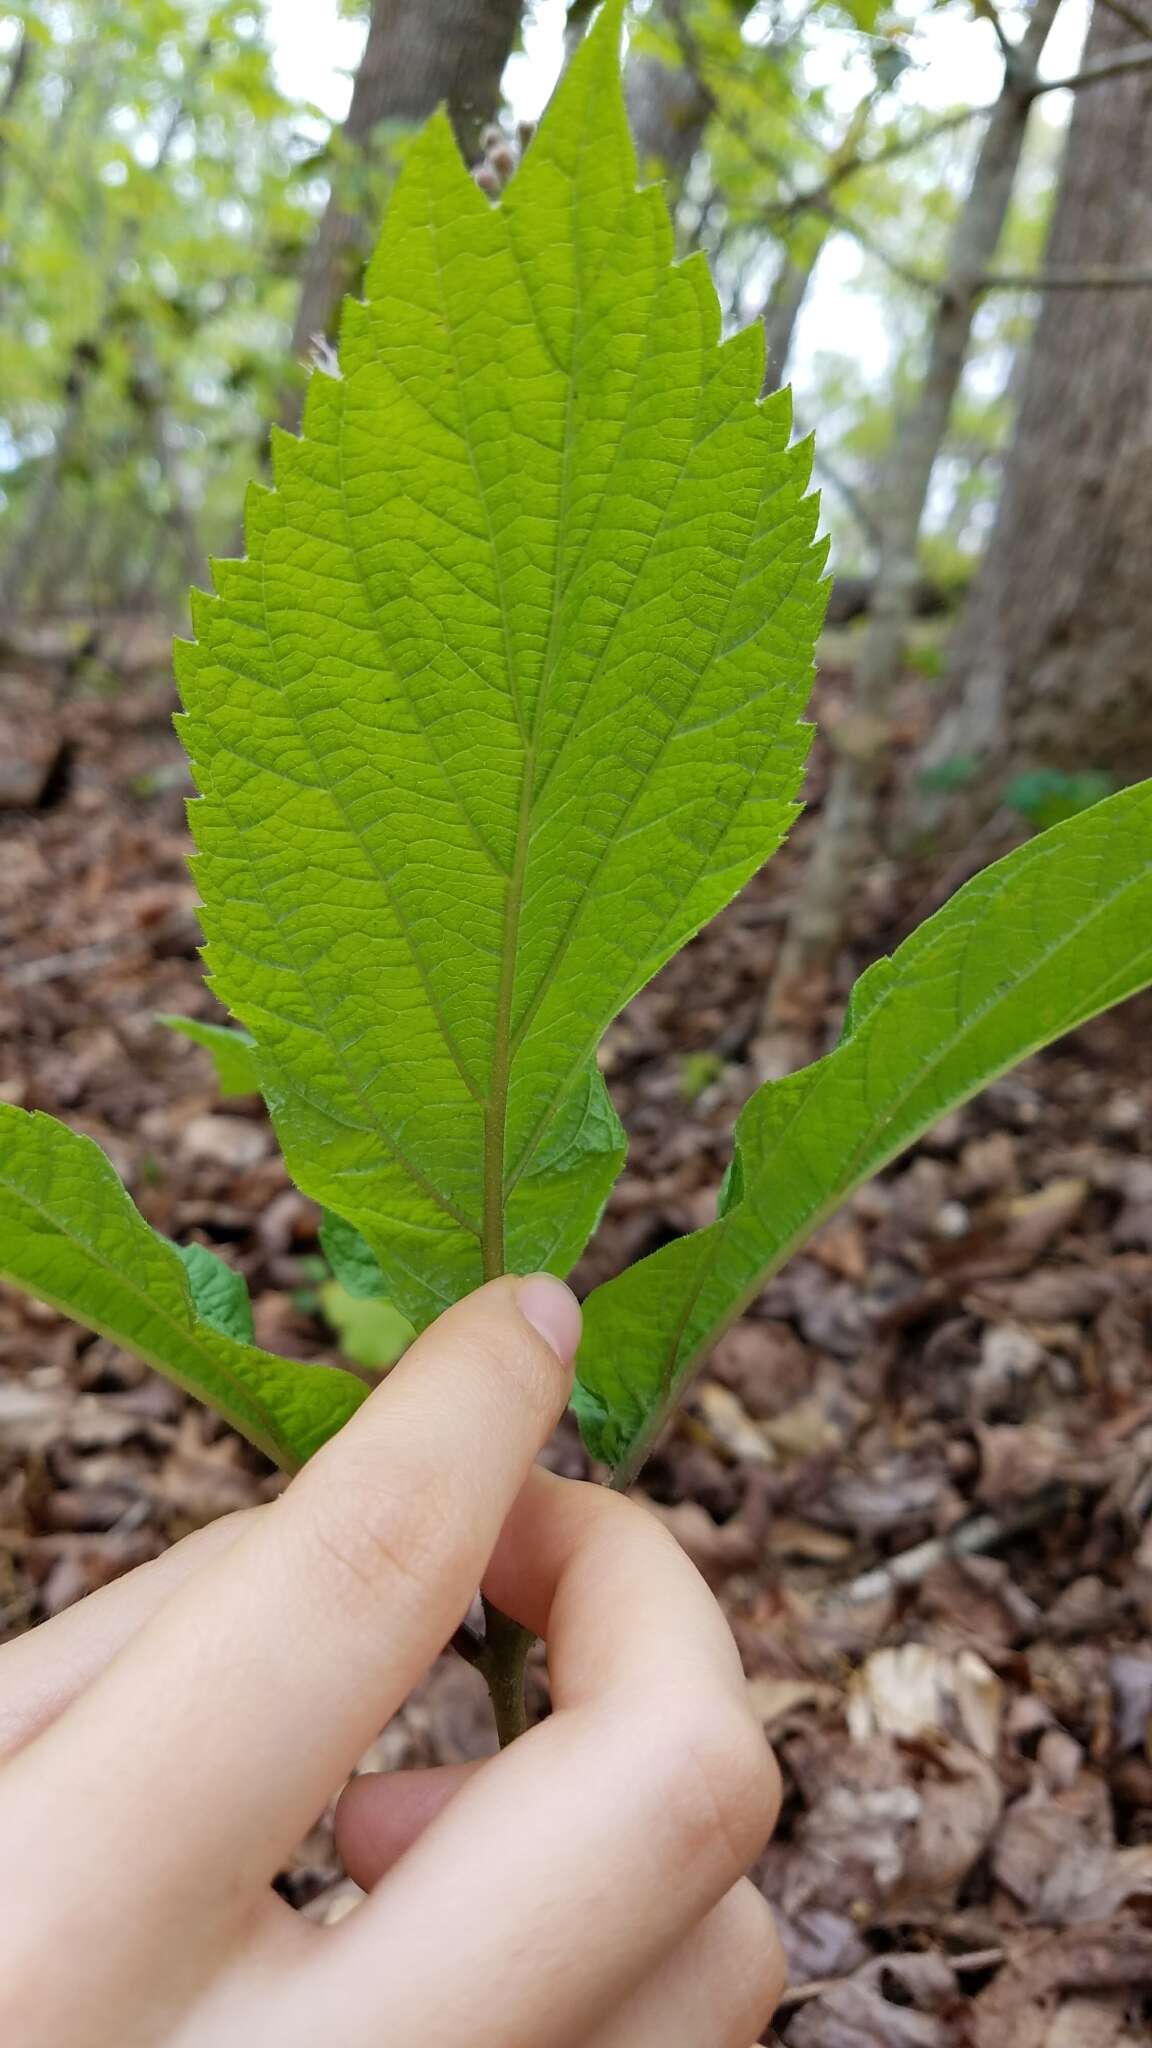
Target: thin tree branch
x=793, y=203
x=19, y=64
x=988, y=11
x=1104, y=277
x=816, y=1987
x=919, y=279
x=1124, y=61
x=905, y=145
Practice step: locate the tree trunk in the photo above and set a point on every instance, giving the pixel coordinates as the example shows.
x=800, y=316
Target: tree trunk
x=849, y=821
x=668, y=110
x=1052, y=661
x=419, y=54
x=670, y=105
x=785, y=304
x=19, y=69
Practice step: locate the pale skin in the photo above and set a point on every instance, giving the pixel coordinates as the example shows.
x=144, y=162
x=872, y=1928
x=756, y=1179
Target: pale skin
x=164, y=1746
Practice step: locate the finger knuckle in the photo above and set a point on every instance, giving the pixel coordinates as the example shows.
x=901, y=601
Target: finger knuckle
x=724, y=1783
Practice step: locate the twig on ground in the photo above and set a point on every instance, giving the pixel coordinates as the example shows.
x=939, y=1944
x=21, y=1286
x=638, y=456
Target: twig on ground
x=54, y=966
x=967, y=1539
x=964, y=1966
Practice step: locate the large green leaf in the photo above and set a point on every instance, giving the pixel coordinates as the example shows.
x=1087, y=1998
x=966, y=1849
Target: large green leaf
x=504, y=701
x=71, y=1236
x=1035, y=945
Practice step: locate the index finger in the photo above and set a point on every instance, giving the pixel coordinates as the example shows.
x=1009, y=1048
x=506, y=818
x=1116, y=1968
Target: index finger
x=581, y=1856
x=224, y=1726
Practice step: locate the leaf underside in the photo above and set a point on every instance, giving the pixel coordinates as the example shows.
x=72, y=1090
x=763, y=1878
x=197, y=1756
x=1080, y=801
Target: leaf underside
x=72, y=1237
x=1058, y=931
x=504, y=702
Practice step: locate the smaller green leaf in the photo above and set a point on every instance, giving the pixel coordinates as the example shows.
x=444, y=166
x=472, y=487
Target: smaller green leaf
x=232, y=1051
x=1029, y=949
x=70, y=1235
x=372, y=1333
x=352, y=1258
x=219, y=1293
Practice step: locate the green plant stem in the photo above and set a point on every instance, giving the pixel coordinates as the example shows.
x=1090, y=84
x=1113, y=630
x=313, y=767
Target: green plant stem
x=503, y=1662
x=500, y=1655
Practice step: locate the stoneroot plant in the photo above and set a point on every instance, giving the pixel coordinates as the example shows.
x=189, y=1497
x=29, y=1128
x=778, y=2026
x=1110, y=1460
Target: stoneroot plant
x=504, y=703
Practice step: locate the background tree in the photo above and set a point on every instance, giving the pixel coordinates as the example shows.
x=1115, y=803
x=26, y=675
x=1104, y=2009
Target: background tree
x=158, y=302
x=418, y=54
x=153, y=221
x=1050, y=667
x=849, y=824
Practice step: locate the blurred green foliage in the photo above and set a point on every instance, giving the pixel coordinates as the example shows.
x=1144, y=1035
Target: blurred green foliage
x=371, y=1333
x=159, y=194
x=1048, y=795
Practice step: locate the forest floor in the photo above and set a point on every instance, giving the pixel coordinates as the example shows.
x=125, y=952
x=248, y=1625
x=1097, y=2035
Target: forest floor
x=918, y=1476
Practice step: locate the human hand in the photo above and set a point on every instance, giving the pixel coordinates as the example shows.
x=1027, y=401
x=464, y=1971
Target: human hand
x=165, y=1745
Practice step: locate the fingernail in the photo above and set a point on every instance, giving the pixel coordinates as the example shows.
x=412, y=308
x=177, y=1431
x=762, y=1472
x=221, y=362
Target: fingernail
x=552, y=1309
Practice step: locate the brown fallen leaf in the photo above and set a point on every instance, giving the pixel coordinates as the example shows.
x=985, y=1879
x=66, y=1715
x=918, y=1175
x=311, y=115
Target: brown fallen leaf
x=859, y=2013
x=232, y=1141
x=766, y=1364
x=1009, y=1358
x=817, y=1944
x=802, y=1431
x=789, y=1536
x=1051, y=1294
x=1019, y=2007
x=977, y=1598
x=989, y=1163
x=773, y=1696
x=849, y=1848
x=1057, y=1855
x=896, y=1491
x=716, y=1549
x=1096, y=2023
x=728, y=1424
x=841, y=1249
x=960, y=1803
x=1131, y=1676
x=1017, y=1461
x=917, y=1690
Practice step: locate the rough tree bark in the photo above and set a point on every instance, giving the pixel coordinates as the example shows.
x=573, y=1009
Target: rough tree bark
x=419, y=54
x=848, y=828
x=670, y=105
x=1052, y=662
